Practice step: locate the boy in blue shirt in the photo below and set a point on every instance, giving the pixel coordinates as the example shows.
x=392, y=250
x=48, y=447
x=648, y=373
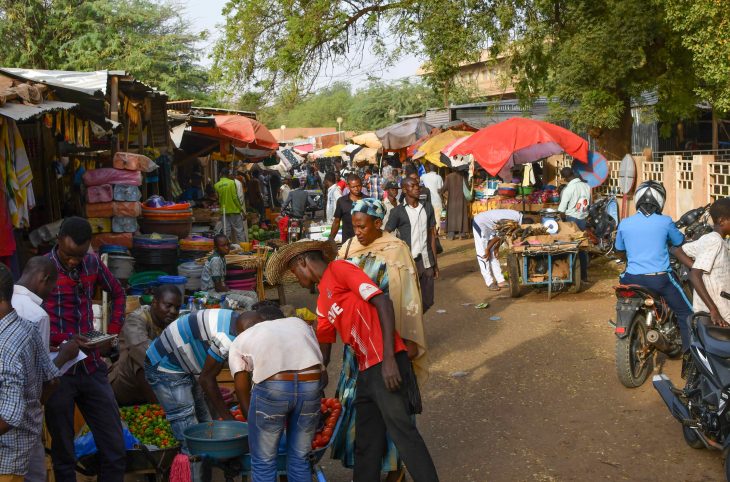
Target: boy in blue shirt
x=646, y=237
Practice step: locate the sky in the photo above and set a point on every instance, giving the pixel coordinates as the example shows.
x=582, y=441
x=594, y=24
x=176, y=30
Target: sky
x=205, y=14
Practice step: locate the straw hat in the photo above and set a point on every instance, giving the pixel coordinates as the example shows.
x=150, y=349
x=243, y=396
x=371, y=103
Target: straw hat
x=279, y=262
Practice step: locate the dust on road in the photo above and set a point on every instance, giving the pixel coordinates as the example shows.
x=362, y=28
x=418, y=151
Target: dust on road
x=526, y=389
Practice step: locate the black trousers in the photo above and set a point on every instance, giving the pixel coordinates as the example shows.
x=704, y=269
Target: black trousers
x=95, y=399
x=426, y=280
x=380, y=410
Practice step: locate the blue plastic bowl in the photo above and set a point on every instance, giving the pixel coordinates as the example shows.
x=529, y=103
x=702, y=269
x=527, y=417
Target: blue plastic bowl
x=218, y=439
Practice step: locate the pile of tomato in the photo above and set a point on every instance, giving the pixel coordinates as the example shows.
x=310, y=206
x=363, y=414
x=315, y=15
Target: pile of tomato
x=332, y=408
x=149, y=425
x=236, y=412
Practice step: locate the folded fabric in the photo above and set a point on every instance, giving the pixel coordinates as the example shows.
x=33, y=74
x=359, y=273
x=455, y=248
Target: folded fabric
x=107, y=175
x=124, y=224
x=133, y=162
x=117, y=239
x=100, y=194
x=123, y=192
x=107, y=210
x=100, y=225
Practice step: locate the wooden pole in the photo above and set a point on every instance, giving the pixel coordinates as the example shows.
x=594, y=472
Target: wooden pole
x=715, y=138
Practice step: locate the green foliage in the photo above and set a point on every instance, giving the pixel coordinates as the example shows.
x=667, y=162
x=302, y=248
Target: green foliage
x=278, y=45
x=704, y=26
x=149, y=39
x=377, y=105
x=596, y=56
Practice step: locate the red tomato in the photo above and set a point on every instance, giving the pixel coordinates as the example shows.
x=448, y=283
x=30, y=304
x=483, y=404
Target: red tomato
x=323, y=407
x=239, y=417
x=330, y=423
x=327, y=432
x=331, y=403
x=338, y=405
x=336, y=413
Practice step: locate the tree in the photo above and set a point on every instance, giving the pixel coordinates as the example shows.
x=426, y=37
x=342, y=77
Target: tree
x=149, y=39
x=594, y=57
x=269, y=45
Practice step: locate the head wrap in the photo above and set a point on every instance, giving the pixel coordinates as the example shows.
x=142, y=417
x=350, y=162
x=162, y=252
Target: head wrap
x=370, y=206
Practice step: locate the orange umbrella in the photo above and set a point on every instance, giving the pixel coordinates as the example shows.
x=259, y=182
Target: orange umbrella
x=242, y=131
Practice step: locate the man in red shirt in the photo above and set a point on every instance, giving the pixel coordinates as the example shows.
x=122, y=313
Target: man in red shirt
x=352, y=305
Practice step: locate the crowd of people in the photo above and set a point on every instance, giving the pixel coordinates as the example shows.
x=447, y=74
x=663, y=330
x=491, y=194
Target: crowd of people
x=373, y=291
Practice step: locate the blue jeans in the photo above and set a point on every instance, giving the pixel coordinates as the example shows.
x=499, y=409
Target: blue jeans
x=667, y=286
x=274, y=405
x=182, y=398
x=582, y=255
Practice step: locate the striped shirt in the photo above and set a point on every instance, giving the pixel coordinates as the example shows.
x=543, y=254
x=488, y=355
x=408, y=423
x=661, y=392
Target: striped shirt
x=69, y=305
x=185, y=344
x=24, y=367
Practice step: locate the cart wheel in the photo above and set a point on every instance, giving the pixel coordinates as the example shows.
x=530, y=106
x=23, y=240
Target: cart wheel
x=513, y=268
x=577, y=285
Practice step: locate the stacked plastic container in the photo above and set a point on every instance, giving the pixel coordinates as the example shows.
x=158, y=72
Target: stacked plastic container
x=195, y=247
x=155, y=252
x=193, y=272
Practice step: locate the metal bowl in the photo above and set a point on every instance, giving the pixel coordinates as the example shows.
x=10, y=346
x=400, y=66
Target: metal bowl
x=218, y=439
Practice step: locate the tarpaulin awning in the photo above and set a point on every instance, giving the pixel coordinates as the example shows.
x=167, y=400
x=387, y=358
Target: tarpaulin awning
x=243, y=132
x=368, y=139
x=289, y=158
x=520, y=141
x=318, y=154
x=403, y=134
x=334, y=151
x=19, y=112
x=456, y=162
x=366, y=155
x=303, y=148
x=431, y=149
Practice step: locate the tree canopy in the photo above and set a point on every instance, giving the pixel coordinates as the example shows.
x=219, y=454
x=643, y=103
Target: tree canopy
x=149, y=39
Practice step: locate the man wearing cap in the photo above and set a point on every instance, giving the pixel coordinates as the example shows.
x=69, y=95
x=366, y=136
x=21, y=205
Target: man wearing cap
x=391, y=199
x=352, y=305
x=415, y=223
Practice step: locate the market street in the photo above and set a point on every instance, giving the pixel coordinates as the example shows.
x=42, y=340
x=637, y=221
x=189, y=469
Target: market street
x=540, y=399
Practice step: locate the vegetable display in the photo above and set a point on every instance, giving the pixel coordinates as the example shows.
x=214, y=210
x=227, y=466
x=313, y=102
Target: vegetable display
x=149, y=425
x=331, y=408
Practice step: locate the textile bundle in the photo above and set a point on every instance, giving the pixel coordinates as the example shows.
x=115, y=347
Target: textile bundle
x=16, y=174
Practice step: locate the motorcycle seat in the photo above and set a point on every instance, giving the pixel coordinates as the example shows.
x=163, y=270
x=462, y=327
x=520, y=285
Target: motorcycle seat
x=716, y=339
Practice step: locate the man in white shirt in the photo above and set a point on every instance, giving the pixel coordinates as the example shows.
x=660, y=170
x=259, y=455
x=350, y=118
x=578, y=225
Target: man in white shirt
x=483, y=226
x=574, y=202
x=34, y=286
x=333, y=194
x=283, y=360
x=415, y=224
x=433, y=181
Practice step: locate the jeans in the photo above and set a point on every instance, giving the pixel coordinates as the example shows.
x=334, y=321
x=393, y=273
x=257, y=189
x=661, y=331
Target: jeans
x=667, y=286
x=95, y=399
x=274, y=406
x=380, y=410
x=582, y=255
x=182, y=398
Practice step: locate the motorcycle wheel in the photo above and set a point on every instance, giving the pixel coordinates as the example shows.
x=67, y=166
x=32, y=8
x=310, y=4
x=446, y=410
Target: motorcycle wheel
x=692, y=439
x=513, y=268
x=628, y=366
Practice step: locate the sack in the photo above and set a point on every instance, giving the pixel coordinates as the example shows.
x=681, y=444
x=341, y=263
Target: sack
x=100, y=225
x=467, y=192
x=123, y=192
x=107, y=210
x=124, y=224
x=107, y=175
x=133, y=162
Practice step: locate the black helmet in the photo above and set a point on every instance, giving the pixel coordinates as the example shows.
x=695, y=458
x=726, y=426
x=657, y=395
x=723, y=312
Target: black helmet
x=649, y=197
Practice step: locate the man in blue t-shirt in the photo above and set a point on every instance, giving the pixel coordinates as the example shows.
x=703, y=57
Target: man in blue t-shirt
x=646, y=237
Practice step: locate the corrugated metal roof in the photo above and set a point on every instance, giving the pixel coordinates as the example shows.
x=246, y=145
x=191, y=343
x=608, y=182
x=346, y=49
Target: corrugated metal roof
x=89, y=83
x=21, y=112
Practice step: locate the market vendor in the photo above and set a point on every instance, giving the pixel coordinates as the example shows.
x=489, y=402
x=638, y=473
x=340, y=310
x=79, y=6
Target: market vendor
x=213, y=277
x=141, y=327
x=196, y=345
x=487, y=244
x=282, y=358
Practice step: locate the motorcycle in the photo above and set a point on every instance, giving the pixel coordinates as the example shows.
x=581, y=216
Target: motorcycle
x=601, y=224
x=702, y=405
x=644, y=322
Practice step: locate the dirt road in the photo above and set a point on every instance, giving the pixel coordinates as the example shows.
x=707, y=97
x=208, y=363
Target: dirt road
x=526, y=389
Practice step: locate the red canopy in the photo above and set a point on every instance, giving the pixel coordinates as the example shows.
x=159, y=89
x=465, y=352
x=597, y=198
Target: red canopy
x=242, y=131
x=519, y=141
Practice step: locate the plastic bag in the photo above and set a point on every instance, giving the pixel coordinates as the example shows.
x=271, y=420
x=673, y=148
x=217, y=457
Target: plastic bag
x=84, y=444
x=124, y=224
x=122, y=192
x=106, y=175
x=100, y=194
x=133, y=162
x=100, y=225
x=107, y=210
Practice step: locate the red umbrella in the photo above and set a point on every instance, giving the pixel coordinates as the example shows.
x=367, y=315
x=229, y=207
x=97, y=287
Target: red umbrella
x=519, y=141
x=242, y=131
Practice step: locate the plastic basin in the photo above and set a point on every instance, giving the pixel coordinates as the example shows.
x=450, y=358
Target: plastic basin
x=218, y=439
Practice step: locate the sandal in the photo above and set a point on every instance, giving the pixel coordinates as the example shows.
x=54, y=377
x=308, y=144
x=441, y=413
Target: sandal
x=493, y=288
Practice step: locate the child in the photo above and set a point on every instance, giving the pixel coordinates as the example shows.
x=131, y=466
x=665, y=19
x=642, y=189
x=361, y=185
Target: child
x=710, y=274
x=213, y=277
